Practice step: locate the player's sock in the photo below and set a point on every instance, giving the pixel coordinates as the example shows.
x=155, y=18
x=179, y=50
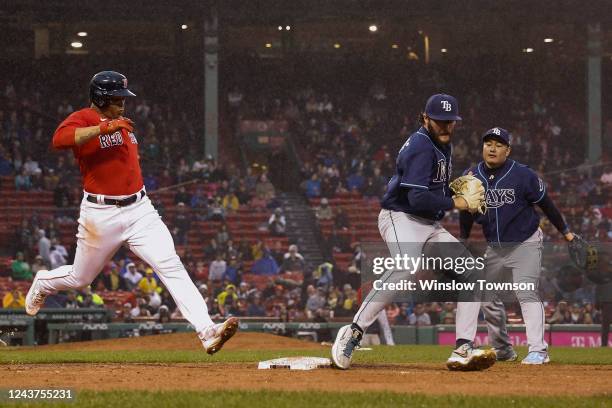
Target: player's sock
x=460, y=342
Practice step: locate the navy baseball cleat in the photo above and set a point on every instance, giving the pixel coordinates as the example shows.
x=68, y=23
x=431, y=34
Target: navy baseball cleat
x=506, y=354
x=347, y=340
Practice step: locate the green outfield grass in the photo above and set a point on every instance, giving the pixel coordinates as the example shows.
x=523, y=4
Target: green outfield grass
x=380, y=354
x=255, y=399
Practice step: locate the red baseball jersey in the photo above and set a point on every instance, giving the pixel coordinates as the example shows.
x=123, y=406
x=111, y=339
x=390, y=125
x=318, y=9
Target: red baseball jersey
x=108, y=163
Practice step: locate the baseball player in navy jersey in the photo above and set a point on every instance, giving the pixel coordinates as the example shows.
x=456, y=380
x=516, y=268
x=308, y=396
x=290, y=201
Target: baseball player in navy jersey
x=511, y=227
x=416, y=198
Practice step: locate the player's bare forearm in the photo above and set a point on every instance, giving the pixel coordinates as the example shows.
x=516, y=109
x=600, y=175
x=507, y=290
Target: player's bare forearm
x=83, y=135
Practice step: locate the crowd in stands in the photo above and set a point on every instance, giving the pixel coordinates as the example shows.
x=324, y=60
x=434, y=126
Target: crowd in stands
x=347, y=141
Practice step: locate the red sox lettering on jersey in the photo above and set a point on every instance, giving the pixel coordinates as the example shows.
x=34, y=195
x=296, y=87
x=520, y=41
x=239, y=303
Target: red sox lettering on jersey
x=109, y=163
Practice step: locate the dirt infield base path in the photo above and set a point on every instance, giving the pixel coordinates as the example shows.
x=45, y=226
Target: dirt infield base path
x=428, y=379
x=501, y=379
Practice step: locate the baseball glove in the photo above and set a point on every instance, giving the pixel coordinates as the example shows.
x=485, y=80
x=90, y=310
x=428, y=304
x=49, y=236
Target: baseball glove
x=472, y=191
x=583, y=254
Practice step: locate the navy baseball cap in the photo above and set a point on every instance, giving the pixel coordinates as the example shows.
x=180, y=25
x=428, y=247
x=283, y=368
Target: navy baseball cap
x=442, y=107
x=499, y=134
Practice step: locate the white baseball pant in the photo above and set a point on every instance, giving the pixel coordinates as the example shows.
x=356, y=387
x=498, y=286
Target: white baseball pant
x=103, y=229
x=404, y=234
x=525, y=261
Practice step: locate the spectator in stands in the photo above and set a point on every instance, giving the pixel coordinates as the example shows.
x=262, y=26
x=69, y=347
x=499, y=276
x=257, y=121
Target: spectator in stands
x=419, y=317
x=6, y=168
x=606, y=177
x=266, y=265
x=341, y=220
x=264, y=190
x=257, y=249
x=223, y=235
x=324, y=211
x=141, y=309
x=71, y=300
x=167, y=300
x=58, y=256
x=228, y=301
x=217, y=268
x=44, y=246
x=576, y=314
x=355, y=182
x=148, y=284
x=89, y=298
x=315, y=302
x=561, y=314
x=277, y=223
x=38, y=264
x=231, y=202
x=244, y=291
x=13, y=300
x=22, y=181
x=313, y=186
x=20, y=269
x=243, y=194
x=255, y=308
x=132, y=276
x=182, y=196
x=182, y=222
x=233, y=272
x=216, y=212
x=199, y=201
x=293, y=261
x=212, y=249
x=277, y=252
x=447, y=315
x=323, y=276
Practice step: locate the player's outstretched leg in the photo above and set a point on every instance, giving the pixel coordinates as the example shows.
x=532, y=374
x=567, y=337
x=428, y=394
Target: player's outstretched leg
x=347, y=340
x=214, y=337
x=468, y=358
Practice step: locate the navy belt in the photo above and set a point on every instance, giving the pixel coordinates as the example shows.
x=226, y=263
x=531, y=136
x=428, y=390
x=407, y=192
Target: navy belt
x=119, y=203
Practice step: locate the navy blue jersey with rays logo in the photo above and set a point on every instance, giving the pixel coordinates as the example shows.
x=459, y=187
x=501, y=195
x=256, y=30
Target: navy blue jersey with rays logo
x=420, y=184
x=511, y=192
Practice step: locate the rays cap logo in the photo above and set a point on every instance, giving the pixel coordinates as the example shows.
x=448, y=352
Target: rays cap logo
x=442, y=107
x=125, y=83
x=499, y=134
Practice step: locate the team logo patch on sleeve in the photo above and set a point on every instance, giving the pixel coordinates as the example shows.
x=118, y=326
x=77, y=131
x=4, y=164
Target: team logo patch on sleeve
x=111, y=140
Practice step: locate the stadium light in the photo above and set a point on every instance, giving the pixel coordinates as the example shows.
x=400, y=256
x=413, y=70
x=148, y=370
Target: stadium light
x=443, y=50
x=268, y=45
x=528, y=49
x=280, y=28
x=82, y=34
x=288, y=28
x=76, y=44
x=373, y=28
x=184, y=27
x=395, y=46
x=548, y=40
x=336, y=45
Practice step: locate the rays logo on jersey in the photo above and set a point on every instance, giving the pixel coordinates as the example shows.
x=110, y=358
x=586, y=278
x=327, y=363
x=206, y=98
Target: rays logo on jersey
x=441, y=172
x=405, y=144
x=498, y=197
x=111, y=140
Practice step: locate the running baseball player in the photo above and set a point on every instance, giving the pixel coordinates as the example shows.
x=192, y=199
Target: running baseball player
x=115, y=210
x=416, y=198
x=511, y=228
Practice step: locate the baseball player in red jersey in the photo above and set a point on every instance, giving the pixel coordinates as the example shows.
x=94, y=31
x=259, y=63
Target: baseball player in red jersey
x=115, y=210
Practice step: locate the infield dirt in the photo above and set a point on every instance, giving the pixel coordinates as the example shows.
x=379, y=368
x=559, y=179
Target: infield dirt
x=426, y=378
